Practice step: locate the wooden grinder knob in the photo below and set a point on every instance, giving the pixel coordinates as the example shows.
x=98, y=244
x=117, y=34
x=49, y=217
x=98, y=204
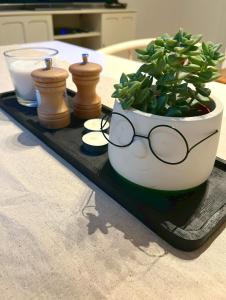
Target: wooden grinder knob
x=87, y=104
x=222, y=78
x=50, y=82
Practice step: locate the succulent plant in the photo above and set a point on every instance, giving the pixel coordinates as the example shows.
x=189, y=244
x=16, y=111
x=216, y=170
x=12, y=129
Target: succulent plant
x=171, y=82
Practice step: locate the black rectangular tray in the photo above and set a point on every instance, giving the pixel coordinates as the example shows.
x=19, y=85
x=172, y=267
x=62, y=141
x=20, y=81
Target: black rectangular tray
x=185, y=221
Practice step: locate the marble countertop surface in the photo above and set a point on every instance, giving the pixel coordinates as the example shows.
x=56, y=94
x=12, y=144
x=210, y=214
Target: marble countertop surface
x=64, y=238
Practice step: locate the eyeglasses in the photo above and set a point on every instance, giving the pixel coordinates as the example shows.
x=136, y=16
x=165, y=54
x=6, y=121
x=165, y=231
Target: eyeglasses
x=155, y=137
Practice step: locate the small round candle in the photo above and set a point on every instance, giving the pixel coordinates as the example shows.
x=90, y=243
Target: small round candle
x=95, y=142
x=95, y=125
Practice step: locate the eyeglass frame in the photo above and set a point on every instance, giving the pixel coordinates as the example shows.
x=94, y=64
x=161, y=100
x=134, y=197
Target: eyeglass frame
x=188, y=150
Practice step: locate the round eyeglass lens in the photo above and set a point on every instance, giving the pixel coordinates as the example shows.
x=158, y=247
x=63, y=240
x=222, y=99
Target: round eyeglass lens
x=121, y=130
x=168, y=144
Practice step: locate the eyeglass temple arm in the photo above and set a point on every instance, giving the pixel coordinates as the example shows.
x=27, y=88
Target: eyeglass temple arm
x=104, y=120
x=216, y=131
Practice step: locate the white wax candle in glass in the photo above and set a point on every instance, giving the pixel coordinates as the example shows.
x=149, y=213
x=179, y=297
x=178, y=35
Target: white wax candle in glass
x=21, y=62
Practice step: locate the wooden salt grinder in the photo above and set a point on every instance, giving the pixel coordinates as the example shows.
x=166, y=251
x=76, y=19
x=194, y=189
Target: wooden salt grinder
x=50, y=82
x=87, y=104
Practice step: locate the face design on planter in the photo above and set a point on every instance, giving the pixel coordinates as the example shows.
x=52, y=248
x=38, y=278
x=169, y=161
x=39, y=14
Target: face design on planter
x=140, y=145
x=132, y=132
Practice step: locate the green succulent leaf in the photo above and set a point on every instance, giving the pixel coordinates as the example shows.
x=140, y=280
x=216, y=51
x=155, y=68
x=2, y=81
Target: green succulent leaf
x=190, y=68
x=174, y=60
x=161, y=102
x=208, y=75
x=173, y=112
x=168, y=78
x=180, y=50
x=128, y=103
x=205, y=48
x=159, y=53
x=116, y=94
x=217, y=47
x=159, y=41
x=182, y=75
x=146, y=82
x=146, y=68
x=117, y=86
x=123, y=92
x=202, y=98
x=203, y=91
x=144, y=105
x=143, y=58
x=171, y=43
x=132, y=76
x=197, y=60
x=123, y=79
x=179, y=35
x=151, y=48
x=142, y=95
x=140, y=51
x=134, y=87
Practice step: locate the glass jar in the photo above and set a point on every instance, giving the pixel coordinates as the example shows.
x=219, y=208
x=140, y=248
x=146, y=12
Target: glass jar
x=21, y=62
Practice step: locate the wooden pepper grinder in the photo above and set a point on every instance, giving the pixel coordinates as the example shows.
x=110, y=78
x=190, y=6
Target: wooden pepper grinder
x=87, y=104
x=50, y=82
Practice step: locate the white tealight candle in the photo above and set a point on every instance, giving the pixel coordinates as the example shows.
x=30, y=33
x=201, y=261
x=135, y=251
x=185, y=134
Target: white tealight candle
x=21, y=75
x=95, y=125
x=95, y=142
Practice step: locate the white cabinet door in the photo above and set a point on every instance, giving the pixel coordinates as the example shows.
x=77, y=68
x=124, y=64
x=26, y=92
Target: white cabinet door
x=12, y=30
x=25, y=29
x=118, y=28
x=39, y=28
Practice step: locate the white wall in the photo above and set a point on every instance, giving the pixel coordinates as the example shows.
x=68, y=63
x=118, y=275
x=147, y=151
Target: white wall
x=197, y=16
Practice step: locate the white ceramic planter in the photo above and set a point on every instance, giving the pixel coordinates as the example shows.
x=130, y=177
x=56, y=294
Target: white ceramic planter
x=137, y=163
